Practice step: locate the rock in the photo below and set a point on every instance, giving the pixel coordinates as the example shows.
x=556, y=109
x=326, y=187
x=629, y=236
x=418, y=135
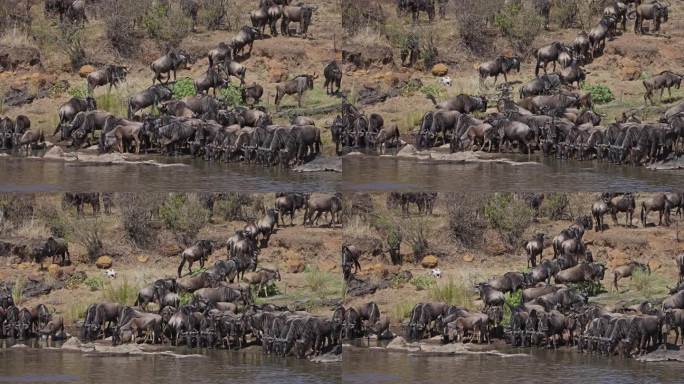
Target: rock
x=143, y=259
x=468, y=258
x=295, y=265
x=12, y=58
x=72, y=344
x=429, y=262
x=55, y=271
x=408, y=151
x=654, y=265
x=278, y=72
x=86, y=70
x=54, y=153
x=16, y=97
x=104, y=262
x=440, y=69
x=629, y=69
x=17, y=346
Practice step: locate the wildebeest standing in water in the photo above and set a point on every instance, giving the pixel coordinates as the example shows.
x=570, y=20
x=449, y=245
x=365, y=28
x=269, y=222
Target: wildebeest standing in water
x=333, y=77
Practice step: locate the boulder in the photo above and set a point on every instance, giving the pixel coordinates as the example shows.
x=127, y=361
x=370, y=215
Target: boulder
x=429, y=261
x=277, y=72
x=629, y=69
x=440, y=69
x=55, y=152
x=468, y=258
x=408, y=151
x=104, y=262
x=12, y=58
x=295, y=265
x=86, y=70
x=55, y=271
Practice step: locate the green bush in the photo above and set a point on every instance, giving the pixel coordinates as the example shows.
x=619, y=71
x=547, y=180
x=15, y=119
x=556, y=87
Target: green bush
x=89, y=233
x=15, y=210
x=168, y=26
x=138, y=217
x=18, y=290
x=123, y=293
x=513, y=299
x=184, y=216
x=78, y=91
x=466, y=224
x=183, y=88
x=434, y=90
x=556, y=206
x=423, y=282
x=520, y=26
x=508, y=216
x=453, y=292
x=95, y=283
x=231, y=95
x=600, y=94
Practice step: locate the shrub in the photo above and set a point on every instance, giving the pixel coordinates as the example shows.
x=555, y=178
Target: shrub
x=403, y=309
x=556, y=206
x=453, y=292
x=120, y=24
x=466, y=224
x=231, y=206
x=57, y=221
x=123, y=293
x=15, y=210
x=434, y=90
x=138, y=217
x=600, y=94
x=89, y=233
x=520, y=26
x=320, y=282
x=183, y=88
x=472, y=25
x=588, y=288
x=18, y=290
x=69, y=41
x=213, y=13
x=360, y=15
x=508, y=216
x=513, y=299
x=183, y=215
x=168, y=26
x=95, y=283
x=231, y=95
x=416, y=232
x=78, y=91
x=423, y=282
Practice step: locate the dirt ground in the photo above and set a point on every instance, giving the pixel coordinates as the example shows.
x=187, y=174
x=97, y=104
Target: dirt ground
x=305, y=256
x=655, y=245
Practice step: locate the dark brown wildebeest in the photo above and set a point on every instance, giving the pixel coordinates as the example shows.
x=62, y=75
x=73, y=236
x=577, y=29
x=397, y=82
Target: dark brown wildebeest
x=675, y=301
x=30, y=138
x=289, y=204
x=151, y=96
x=598, y=35
x=261, y=279
x=674, y=320
x=350, y=258
x=121, y=132
x=663, y=80
x=79, y=199
x=499, y=66
x=490, y=296
x=301, y=14
x=651, y=10
x=541, y=85
x=386, y=136
x=296, y=86
x=221, y=55
x=541, y=289
x=110, y=75
x=245, y=37
x=252, y=94
x=535, y=247
x=462, y=103
x=625, y=203
x=598, y=210
x=656, y=203
x=167, y=64
x=68, y=111
x=584, y=272
x=200, y=251
x=509, y=282
x=548, y=54
x=333, y=77
x=57, y=247
x=626, y=270
x=320, y=205
x=211, y=79
x=266, y=224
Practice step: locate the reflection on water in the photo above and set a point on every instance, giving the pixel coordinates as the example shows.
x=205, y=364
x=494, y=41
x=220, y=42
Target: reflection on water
x=369, y=173
x=28, y=365
x=30, y=175
x=361, y=366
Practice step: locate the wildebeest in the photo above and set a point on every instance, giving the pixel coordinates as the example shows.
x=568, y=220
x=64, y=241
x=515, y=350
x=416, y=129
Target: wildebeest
x=301, y=14
x=386, y=136
x=625, y=203
x=598, y=35
x=245, y=37
x=30, y=138
x=462, y=103
x=262, y=278
x=499, y=66
x=167, y=64
x=252, y=94
x=350, y=258
x=266, y=224
x=57, y=247
x=534, y=247
x=333, y=77
x=211, y=79
x=627, y=270
x=151, y=96
x=221, y=55
x=110, y=75
x=296, y=86
x=490, y=296
x=541, y=85
x=289, y=204
x=548, y=54
x=652, y=10
x=200, y=251
x=320, y=205
x=661, y=81
x=584, y=272
x=68, y=111
x=656, y=203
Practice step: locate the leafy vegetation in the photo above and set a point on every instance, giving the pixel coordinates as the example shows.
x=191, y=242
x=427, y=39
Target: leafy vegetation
x=434, y=90
x=122, y=293
x=423, y=282
x=89, y=233
x=510, y=217
x=78, y=91
x=231, y=95
x=600, y=94
x=520, y=26
x=513, y=299
x=556, y=206
x=95, y=283
x=183, y=88
x=184, y=216
x=168, y=26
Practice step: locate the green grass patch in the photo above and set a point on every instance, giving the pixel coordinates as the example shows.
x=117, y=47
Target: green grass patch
x=183, y=88
x=123, y=293
x=402, y=310
x=513, y=299
x=322, y=284
x=18, y=290
x=95, y=283
x=453, y=292
x=423, y=282
x=600, y=94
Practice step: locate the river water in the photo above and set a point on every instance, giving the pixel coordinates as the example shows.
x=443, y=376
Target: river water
x=372, y=173
x=361, y=366
x=180, y=174
x=34, y=365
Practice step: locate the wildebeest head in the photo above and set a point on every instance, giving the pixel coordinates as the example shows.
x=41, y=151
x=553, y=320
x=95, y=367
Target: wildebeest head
x=91, y=105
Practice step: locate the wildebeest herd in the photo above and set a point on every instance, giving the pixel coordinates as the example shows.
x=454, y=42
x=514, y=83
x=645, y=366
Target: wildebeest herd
x=207, y=308
x=203, y=125
x=527, y=309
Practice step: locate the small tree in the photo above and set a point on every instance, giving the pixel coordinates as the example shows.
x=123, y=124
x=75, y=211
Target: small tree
x=520, y=26
x=466, y=224
x=167, y=25
x=183, y=215
x=509, y=216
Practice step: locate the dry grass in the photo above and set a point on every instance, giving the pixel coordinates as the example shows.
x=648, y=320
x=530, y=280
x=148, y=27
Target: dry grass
x=16, y=38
